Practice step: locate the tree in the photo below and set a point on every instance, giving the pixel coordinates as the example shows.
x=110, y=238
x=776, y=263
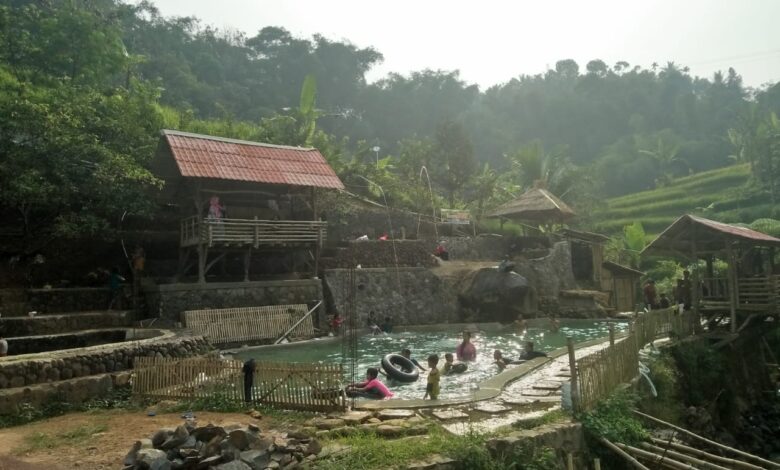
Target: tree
x=453, y=157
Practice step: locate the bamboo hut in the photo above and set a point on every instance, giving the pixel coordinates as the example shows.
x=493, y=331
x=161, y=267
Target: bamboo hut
x=536, y=205
x=751, y=285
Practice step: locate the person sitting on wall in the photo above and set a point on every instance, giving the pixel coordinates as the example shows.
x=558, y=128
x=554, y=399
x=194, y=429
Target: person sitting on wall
x=466, y=351
x=529, y=353
x=506, y=265
x=441, y=252
x=408, y=354
x=371, y=388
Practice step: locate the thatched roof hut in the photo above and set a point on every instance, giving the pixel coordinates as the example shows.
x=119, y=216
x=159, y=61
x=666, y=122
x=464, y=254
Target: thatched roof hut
x=537, y=205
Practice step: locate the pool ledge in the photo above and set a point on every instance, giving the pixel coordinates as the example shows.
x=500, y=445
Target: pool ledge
x=488, y=389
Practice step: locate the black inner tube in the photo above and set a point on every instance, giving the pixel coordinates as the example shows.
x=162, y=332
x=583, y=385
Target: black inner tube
x=400, y=368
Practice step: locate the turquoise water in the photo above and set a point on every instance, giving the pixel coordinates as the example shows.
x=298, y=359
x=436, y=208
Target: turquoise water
x=371, y=349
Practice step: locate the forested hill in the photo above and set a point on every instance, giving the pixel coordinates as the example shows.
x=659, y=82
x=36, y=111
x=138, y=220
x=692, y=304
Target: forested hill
x=86, y=86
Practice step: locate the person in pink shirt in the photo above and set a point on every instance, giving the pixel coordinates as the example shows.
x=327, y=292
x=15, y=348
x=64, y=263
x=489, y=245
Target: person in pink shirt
x=466, y=350
x=371, y=388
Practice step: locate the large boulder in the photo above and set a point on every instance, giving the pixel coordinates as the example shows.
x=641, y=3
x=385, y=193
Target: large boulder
x=494, y=295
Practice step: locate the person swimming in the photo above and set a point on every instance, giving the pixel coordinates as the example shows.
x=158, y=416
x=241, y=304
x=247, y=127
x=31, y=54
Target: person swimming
x=371, y=388
x=529, y=353
x=408, y=354
x=451, y=367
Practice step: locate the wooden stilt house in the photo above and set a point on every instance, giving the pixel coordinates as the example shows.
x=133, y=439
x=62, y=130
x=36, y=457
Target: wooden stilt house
x=750, y=285
x=265, y=196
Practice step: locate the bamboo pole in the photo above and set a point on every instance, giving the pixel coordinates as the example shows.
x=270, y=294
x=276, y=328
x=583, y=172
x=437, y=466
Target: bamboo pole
x=756, y=458
x=575, y=394
x=682, y=457
x=623, y=454
x=611, y=334
x=569, y=461
x=596, y=464
x=657, y=459
x=706, y=455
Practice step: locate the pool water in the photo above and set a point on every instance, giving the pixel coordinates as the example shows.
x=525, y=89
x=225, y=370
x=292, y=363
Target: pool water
x=371, y=349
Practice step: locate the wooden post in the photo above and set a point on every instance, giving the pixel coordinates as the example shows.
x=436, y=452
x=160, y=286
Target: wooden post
x=319, y=233
x=733, y=290
x=203, y=253
x=247, y=260
x=575, y=399
x=596, y=464
x=695, y=284
x=611, y=334
x=569, y=461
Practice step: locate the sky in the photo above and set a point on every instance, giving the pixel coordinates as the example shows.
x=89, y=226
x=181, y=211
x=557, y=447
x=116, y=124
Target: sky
x=492, y=41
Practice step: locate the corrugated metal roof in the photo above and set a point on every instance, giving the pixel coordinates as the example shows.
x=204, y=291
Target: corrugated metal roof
x=204, y=156
x=740, y=232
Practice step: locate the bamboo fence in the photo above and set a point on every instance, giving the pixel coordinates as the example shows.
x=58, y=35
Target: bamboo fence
x=234, y=325
x=311, y=387
x=600, y=373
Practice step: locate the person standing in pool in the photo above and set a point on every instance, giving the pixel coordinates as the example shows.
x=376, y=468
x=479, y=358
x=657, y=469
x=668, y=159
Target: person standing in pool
x=432, y=388
x=451, y=367
x=387, y=326
x=466, y=351
x=529, y=353
x=371, y=388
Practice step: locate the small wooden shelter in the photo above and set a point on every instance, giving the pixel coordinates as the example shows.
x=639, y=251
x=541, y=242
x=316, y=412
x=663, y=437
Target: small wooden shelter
x=752, y=283
x=267, y=196
x=588, y=264
x=535, y=205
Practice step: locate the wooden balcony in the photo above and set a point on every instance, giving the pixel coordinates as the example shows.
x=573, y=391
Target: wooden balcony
x=254, y=233
x=753, y=294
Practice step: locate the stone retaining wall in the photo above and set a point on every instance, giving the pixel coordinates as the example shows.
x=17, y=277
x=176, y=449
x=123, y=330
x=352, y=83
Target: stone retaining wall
x=81, y=339
x=168, y=301
x=71, y=299
x=379, y=254
x=52, y=324
x=73, y=391
x=29, y=369
x=406, y=295
x=565, y=438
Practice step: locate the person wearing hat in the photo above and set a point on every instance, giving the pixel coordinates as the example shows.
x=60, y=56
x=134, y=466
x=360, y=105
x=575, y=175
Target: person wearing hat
x=651, y=295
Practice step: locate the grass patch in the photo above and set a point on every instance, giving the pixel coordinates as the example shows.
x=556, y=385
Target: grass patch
x=118, y=398
x=547, y=418
x=42, y=441
x=613, y=419
x=368, y=450
x=221, y=403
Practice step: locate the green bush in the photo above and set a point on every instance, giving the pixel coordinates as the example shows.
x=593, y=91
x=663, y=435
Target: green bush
x=614, y=420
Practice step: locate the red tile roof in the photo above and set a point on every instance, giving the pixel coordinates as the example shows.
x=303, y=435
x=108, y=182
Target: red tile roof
x=204, y=156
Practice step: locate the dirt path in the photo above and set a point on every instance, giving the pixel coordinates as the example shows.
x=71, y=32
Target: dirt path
x=92, y=441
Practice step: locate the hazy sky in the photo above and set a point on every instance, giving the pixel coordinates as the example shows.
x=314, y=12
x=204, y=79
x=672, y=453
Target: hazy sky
x=491, y=41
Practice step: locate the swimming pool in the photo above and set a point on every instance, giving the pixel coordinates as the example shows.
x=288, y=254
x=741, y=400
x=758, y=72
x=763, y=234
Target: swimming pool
x=371, y=349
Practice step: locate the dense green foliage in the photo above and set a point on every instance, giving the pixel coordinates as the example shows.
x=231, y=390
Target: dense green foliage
x=87, y=84
x=613, y=420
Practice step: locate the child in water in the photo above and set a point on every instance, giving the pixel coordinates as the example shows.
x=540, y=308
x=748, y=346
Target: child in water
x=372, y=387
x=432, y=389
x=451, y=367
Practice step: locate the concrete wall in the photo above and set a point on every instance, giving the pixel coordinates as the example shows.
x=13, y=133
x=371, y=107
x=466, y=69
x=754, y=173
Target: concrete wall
x=168, y=301
x=406, y=295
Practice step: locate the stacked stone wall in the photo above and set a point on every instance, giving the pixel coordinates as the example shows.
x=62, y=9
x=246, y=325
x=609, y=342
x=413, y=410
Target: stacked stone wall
x=168, y=301
x=52, y=324
x=379, y=254
x=409, y=296
x=29, y=369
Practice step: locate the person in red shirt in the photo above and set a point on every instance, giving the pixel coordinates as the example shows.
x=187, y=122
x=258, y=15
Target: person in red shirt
x=335, y=324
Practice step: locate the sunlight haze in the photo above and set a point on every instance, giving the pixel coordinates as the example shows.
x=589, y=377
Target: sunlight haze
x=491, y=41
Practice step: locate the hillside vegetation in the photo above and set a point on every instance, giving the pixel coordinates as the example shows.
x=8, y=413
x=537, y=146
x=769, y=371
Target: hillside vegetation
x=724, y=194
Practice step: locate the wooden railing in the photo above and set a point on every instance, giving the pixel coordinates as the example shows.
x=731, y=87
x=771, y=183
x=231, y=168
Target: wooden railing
x=311, y=387
x=754, y=294
x=251, y=232
x=600, y=373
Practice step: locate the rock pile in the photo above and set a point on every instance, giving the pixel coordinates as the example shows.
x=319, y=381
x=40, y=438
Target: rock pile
x=234, y=447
